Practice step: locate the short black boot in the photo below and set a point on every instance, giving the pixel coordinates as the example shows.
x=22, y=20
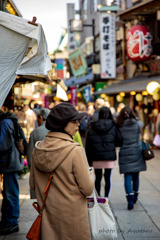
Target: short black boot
x=135, y=196
x=130, y=199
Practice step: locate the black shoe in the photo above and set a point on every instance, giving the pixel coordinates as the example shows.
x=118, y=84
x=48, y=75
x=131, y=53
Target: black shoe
x=135, y=197
x=2, y=224
x=9, y=229
x=130, y=199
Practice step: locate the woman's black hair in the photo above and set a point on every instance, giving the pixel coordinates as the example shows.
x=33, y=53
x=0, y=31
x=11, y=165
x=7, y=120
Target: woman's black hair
x=105, y=113
x=125, y=113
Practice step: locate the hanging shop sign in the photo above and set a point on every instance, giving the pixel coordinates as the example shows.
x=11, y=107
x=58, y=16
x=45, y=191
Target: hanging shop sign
x=78, y=63
x=87, y=94
x=108, y=46
x=139, y=43
x=71, y=35
x=73, y=99
x=59, y=68
x=112, y=5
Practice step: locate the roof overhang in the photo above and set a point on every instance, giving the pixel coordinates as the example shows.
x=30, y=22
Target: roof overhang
x=24, y=79
x=145, y=8
x=137, y=84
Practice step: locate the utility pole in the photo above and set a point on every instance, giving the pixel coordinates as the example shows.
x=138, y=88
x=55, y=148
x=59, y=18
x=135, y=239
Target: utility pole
x=94, y=53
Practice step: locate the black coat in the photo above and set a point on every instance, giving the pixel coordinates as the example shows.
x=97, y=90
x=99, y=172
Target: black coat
x=102, y=138
x=130, y=154
x=10, y=158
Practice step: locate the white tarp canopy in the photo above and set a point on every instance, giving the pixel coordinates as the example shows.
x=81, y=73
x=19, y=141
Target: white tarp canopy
x=23, y=51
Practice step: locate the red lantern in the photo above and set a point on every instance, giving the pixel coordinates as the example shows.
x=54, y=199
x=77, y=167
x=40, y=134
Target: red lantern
x=139, y=43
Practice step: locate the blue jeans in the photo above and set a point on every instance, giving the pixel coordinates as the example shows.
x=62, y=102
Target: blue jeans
x=10, y=204
x=131, y=182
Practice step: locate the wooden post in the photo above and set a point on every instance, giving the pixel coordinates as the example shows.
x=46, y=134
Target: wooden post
x=124, y=52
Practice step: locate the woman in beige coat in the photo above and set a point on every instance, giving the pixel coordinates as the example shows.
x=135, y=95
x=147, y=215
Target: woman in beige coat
x=65, y=215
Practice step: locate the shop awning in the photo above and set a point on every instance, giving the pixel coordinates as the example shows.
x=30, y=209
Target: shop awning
x=81, y=80
x=23, y=51
x=137, y=84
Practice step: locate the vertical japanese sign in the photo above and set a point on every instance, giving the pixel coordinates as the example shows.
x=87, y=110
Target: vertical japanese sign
x=108, y=46
x=71, y=35
x=74, y=96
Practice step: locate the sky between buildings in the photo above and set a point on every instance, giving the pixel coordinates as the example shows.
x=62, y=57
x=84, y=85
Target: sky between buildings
x=51, y=14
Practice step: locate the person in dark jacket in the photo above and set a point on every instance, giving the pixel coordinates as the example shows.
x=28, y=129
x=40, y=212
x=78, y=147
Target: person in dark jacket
x=102, y=138
x=38, y=134
x=11, y=163
x=131, y=161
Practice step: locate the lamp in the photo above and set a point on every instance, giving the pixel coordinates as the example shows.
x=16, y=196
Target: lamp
x=144, y=93
x=153, y=87
x=122, y=94
x=139, y=97
x=132, y=93
x=156, y=96
x=119, y=98
x=103, y=95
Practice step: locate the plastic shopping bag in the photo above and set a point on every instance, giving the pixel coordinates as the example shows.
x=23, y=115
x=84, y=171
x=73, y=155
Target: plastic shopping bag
x=156, y=140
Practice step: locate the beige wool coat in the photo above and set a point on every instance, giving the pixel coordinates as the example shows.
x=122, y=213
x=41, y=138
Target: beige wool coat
x=65, y=216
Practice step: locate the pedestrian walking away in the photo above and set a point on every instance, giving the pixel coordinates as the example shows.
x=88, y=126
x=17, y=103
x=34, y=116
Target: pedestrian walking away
x=131, y=161
x=11, y=163
x=102, y=138
x=65, y=215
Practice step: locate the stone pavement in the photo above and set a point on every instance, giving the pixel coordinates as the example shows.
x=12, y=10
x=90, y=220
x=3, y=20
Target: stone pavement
x=143, y=222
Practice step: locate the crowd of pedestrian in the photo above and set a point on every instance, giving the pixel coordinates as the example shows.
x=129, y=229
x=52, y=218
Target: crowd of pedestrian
x=68, y=140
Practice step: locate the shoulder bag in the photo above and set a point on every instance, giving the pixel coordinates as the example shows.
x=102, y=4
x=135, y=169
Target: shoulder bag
x=147, y=151
x=35, y=230
x=101, y=220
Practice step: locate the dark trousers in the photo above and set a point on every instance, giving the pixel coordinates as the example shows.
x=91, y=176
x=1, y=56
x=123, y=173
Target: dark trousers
x=107, y=177
x=10, y=204
x=131, y=182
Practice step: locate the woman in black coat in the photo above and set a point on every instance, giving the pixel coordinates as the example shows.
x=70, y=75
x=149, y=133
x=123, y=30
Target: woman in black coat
x=131, y=161
x=102, y=138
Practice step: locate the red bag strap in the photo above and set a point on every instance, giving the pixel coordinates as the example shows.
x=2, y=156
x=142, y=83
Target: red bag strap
x=36, y=206
x=46, y=190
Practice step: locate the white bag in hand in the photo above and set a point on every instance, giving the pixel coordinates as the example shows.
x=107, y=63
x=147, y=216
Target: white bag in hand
x=102, y=222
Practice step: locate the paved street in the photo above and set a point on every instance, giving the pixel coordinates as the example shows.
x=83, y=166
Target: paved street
x=143, y=222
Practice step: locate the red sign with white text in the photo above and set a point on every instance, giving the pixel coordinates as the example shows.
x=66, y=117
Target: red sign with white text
x=139, y=43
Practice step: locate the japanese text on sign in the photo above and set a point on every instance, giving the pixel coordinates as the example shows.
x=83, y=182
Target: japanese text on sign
x=108, y=55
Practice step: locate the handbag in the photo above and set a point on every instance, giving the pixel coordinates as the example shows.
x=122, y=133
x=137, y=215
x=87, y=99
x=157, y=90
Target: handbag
x=35, y=231
x=147, y=151
x=101, y=220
